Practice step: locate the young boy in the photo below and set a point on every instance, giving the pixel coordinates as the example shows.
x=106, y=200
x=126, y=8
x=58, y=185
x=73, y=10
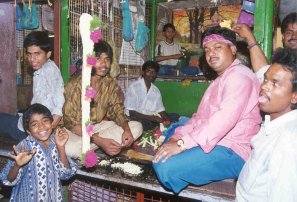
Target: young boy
x=270, y=172
x=40, y=160
x=48, y=85
x=143, y=100
x=167, y=52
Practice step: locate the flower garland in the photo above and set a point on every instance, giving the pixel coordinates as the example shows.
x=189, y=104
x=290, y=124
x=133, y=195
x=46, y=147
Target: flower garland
x=90, y=30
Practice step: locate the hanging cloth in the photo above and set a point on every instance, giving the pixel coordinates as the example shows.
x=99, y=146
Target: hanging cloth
x=141, y=35
x=30, y=17
x=128, y=34
x=18, y=13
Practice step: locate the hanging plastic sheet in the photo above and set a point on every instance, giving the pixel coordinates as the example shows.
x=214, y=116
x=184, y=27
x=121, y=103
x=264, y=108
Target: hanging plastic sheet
x=18, y=13
x=246, y=15
x=142, y=35
x=30, y=18
x=128, y=34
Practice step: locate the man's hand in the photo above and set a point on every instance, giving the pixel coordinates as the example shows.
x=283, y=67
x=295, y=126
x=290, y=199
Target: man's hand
x=156, y=119
x=244, y=32
x=110, y=146
x=77, y=129
x=127, y=137
x=167, y=150
x=61, y=137
x=56, y=121
x=22, y=157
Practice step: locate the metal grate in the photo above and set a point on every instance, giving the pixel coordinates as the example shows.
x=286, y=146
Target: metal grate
x=82, y=190
x=109, y=12
x=21, y=55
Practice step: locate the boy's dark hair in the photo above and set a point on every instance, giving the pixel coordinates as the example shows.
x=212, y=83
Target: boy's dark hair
x=35, y=109
x=103, y=47
x=150, y=65
x=40, y=39
x=288, y=59
x=168, y=25
x=224, y=32
x=289, y=19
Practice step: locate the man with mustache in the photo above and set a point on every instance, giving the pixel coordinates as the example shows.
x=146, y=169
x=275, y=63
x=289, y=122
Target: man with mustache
x=214, y=144
x=270, y=172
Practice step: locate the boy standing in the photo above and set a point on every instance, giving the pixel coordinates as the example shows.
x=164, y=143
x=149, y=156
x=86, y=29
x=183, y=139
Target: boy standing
x=40, y=160
x=143, y=99
x=270, y=172
x=167, y=52
x=48, y=85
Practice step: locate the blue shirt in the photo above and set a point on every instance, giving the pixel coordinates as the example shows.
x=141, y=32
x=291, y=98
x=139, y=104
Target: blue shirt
x=40, y=178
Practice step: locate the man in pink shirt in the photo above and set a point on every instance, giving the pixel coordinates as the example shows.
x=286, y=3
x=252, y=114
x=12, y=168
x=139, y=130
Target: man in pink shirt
x=214, y=144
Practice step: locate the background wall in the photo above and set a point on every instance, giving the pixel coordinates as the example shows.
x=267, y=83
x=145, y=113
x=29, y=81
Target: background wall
x=179, y=99
x=8, y=91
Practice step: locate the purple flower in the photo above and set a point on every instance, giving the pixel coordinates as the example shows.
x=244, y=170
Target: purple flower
x=90, y=159
x=90, y=92
x=91, y=60
x=89, y=129
x=96, y=35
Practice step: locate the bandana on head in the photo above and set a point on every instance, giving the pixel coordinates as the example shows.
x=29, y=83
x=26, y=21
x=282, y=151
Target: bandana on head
x=215, y=37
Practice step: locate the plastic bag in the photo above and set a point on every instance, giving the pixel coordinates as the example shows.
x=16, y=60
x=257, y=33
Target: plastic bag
x=128, y=34
x=30, y=18
x=18, y=13
x=141, y=36
x=246, y=15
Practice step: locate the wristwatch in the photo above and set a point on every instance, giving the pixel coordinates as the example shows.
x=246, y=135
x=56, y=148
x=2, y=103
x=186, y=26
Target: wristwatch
x=180, y=143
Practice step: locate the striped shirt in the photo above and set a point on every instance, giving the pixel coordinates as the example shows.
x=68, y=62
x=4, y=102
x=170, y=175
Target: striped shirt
x=107, y=103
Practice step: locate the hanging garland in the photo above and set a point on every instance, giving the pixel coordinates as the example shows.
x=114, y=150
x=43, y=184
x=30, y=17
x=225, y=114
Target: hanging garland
x=90, y=30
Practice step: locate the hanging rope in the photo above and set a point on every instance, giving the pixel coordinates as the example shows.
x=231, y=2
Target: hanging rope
x=49, y=3
x=30, y=5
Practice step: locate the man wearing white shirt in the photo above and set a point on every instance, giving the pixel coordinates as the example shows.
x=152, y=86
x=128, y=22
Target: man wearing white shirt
x=270, y=172
x=143, y=100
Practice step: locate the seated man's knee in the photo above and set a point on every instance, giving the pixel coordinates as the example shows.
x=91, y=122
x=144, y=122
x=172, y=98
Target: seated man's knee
x=136, y=129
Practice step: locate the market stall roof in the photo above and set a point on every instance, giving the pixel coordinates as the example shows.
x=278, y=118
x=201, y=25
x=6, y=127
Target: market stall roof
x=192, y=4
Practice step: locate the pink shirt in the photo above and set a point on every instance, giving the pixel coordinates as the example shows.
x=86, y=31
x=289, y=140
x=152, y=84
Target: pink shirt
x=228, y=114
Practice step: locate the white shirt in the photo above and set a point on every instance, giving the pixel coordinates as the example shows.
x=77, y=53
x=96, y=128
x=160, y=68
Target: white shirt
x=48, y=89
x=138, y=99
x=270, y=173
x=260, y=73
x=168, y=49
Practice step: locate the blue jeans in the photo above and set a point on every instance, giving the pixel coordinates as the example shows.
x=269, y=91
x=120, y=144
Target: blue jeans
x=196, y=167
x=9, y=127
x=167, y=70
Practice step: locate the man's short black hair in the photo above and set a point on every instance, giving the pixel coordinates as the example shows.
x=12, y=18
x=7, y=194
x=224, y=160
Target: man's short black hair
x=224, y=32
x=150, y=65
x=40, y=39
x=289, y=19
x=35, y=109
x=168, y=25
x=103, y=47
x=287, y=57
